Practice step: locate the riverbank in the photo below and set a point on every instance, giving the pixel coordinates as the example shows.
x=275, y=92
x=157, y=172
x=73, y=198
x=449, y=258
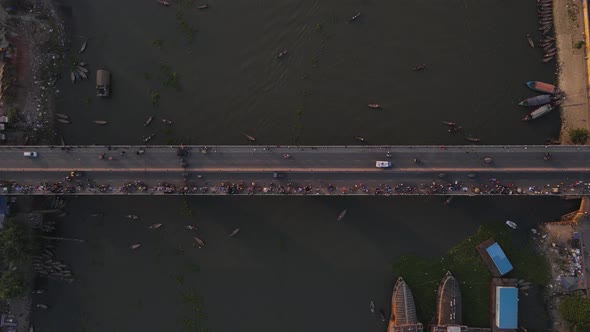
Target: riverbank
x=572, y=66
x=38, y=37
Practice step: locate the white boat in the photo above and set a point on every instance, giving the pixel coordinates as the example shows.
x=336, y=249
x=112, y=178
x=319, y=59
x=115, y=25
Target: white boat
x=134, y=246
x=235, y=231
x=342, y=214
x=372, y=306
x=541, y=111
x=100, y=122
x=83, y=48
x=155, y=226
x=511, y=224
x=200, y=243
x=191, y=227
x=132, y=216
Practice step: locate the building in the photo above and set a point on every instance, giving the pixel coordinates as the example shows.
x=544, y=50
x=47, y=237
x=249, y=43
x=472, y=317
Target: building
x=494, y=257
x=504, y=308
x=403, y=310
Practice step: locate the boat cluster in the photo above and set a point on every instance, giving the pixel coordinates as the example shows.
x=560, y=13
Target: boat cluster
x=79, y=71
x=547, y=43
x=45, y=264
x=551, y=98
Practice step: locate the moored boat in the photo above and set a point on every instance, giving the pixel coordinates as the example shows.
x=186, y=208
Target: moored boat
x=134, y=246
x=360, y=139
x=164, y=3
x=511, y=224
x=541, y=111
x=472, y=139
x=419, y=67
x=250, y=138
x=455, y=129
x=82, y=69
x=166, y=121
x=234, y=232
x=530, y=40
x=374, y=106
x=449, y=123
x=537, y=100
x=83, y=48
x=82, y=74
x=203, y=6
x=551, y=53
x=354, y=17
x=282, y=54
x=72, y=76
x=64, y=121
x=148, y=121
x=100, y=122
x=62, y=116
x=547, y=59
x=543, y=87
x=372, y=306
x=341, y=215
x=155, y=226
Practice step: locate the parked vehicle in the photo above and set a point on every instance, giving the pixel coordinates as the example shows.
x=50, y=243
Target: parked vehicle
x=382, y=164
x=30, y=154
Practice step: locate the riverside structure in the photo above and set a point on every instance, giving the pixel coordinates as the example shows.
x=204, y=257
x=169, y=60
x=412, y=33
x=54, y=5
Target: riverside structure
x=303, y=170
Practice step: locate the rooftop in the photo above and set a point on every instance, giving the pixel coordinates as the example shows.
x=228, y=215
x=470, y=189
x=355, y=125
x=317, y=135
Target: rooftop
x=507, y=307
x=499, y=258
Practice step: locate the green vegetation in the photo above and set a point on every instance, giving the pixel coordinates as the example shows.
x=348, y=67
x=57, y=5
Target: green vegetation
x=171, y=79
x=12, y=284
x=423, y=275
x=183, y=26
x=13, y=114
x=16, y=243
x=159, y=43
x=580, y=44
x=186, y=209
x=155, y=97
x=196, y=316
x=576, y=310
x=579, y=135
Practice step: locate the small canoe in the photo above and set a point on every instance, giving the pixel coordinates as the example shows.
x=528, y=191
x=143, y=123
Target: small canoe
x=551, y=53
x=419, y=67
x=547, y=29
x=282, y=54
x=62, y=116
x=148, y=121
x=360, y=139
x=341, y=215
x=449, y=123
x=200, y=243
x=548, y=46
x=64, y=121
x=544, y=60
x=203, y=6
x=543, y=87
x=134, y=246
x=82, y=69
x=82, y=74
x=374, y=106
x=164, y=3
x=100, y=122
x=83, y=64
x=530, y=40
x=83, y=48
x=372, y=306
x=165, y=121
x=191, y=227
x=155, y=226
x=235, y=231
x=43, y=306
x=132, y=216
x=354, y=17
x=537, y=100
x=250, y=138
x=382, y=315
x=472, y=139
x=455, y=129
x=511, y=224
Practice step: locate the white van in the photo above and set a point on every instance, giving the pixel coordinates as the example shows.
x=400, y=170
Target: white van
x=382, y=164
x=30, y=154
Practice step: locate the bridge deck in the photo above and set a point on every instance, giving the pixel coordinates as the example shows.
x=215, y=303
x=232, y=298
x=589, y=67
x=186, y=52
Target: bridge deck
x=342, y=166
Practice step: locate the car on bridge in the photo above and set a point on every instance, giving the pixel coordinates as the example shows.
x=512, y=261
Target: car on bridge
x=30, y=154
x=382, y=164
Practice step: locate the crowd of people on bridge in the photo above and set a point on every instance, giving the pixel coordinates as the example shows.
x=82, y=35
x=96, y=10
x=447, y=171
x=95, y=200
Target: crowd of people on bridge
x=492, y=186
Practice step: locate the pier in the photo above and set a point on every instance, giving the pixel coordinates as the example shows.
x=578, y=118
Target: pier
x=319, y=170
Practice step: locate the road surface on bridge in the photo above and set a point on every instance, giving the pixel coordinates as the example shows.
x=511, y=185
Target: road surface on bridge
x=319, y=166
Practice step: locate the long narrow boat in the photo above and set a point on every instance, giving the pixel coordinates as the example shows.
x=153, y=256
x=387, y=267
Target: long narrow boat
x=83, y=48
x=100, y=122
x=537, y=100
x=540, y=112
x=148, y=121
x=543, y=87
x=551, y=53
x=547, y=59
x=342, y=214
x=62, y=116
x=374, y=106
x=360, y=139
x=449, y=123
x=530, y=40
x=250, y=138
x=64, y=121
x=472, y=139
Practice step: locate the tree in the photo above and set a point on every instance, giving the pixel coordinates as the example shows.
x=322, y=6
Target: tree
x=579, y=135
x=15, y=242
x=12, y=284
x=576, y=310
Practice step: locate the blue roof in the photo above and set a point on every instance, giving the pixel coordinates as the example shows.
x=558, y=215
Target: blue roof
x=499, y=258
x=507, y=307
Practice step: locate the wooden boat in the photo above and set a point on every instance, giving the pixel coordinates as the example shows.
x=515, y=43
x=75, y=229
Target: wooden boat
x=83, y=48
x=547, y=59
x=203, y=6
x=472, y=139
x=545, y=20
x=455, y=129
x=547, y=29
x=148, y=121
x=282, y=54
x=78, y=78
x=164, y=3
x=83, y=64
x=250, y=138
x=191, y=227
x=543, y=87
x=382, y=315
x=548, y=47
x=132, y=216
x=545, y=26
x=551, y=53
x=234, y=232
x=73, y=77
x=449, y=123
x=165, y=121
x=64, y=121
x=82, y=69
x=549, y=38
x=537, y=100
x=372, y=306
x=511, y=224
x=134, y=246
x=43, y=306
x=341, y=215
x=354, y=17
x=62, y=116
x=200, y=243
x=155, y=226
x=82, y=74
x=360, y=139
x=374, y=106
x=100, y=122
x=537, y=113
x=419, y=67
x=530, y=40
x=149, y=138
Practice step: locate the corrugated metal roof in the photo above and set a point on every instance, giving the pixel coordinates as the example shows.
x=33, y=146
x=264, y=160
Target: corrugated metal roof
x=507, y=307
x=499, y=258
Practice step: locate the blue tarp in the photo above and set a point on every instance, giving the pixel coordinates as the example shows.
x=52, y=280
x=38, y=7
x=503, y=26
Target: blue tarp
x=507, y=307
x=499, y=258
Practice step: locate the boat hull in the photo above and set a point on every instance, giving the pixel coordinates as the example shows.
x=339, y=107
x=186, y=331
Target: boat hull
x=537, y=100
x=543, y=87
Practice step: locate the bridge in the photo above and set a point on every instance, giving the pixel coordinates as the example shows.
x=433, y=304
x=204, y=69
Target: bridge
x=309, y=170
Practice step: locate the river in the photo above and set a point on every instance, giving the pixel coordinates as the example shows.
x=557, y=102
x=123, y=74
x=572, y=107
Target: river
x=291, y=267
